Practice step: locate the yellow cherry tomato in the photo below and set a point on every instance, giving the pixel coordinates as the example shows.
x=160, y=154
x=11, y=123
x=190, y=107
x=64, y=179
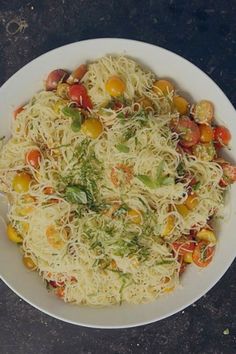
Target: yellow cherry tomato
x=115, y=86
x=135, y=216
x=181, y=104
x=169, y=226
x=206, y=235
x=192, y=201
x=145, y=103
x=55, y=239
x=92, y=127
x=204, y=112
x=21, y=182
x=29, y=263
x=13, y=234
x=162, y=87
x=188, y=257
x=182, y=209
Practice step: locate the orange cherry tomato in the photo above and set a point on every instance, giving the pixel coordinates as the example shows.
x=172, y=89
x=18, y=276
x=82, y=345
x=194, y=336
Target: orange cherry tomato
x=181, y=104
x=189, y=133
x=203, y=112
x=162, y=87
x=78, y=93
x=77, y=74
x=222, y=136
x=203, y=254
x=33, y=158
x=60, y=292
x=206, y=133
x=182, y=247
x=17, y=111
x=127, y=171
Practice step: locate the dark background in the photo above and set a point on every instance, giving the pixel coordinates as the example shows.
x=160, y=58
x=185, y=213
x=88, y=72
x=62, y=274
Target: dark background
x=204, y=32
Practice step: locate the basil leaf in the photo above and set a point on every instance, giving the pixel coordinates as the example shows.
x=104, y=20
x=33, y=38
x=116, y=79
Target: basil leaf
x=167, y=181
x=196, y=186
x=75, y=114
x=75, y=194
x=122, y=148
x=147, y=181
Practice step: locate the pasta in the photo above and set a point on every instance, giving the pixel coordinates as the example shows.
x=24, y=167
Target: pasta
x=101, y=191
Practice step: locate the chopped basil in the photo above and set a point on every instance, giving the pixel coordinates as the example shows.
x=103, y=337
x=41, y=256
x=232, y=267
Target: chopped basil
x=196, y=186
x=147, y=181
x=160, y=180
x=122, y=148
x=75, y=194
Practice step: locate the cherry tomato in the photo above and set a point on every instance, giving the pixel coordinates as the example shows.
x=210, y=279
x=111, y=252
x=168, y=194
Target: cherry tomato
x=183, y=265
x=54, y=78
x=135, y=216
x=181, y=104
x=62, y=90
x=48, y=190
x=33, y=158
x=17, y=111
x=13, y=234
x=56, y=284
x=115, y=86
x=78, y=93
x=229, y=174
x=182, y=247
x=203, y=112
x=188, y=131
x=206, y=133
x=60, y=292
x=222, y=136
x=21, y=182
x=162, y=87
x=77, y=74
x=92, y=127
x=192, y=201
x=203, y=254
x=29, y=263
x=127, y=171
x=204, y=152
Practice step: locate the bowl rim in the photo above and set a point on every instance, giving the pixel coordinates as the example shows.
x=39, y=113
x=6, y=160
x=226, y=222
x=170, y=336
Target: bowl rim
x=230, y=260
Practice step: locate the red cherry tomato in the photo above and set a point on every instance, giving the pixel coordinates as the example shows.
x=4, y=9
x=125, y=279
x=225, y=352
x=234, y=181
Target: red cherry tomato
x=33, y=157
x=222, y=136
x=229, y=174
x=56, y=284
x=183, y=247
x=203, y=254
x=188, y=131
x=54, y=77
x=78, y=93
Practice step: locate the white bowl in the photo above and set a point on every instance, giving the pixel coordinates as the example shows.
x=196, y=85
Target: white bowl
x=195, y=283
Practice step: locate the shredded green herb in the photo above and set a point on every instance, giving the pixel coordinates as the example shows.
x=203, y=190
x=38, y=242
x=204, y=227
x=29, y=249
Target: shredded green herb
x=122, y=148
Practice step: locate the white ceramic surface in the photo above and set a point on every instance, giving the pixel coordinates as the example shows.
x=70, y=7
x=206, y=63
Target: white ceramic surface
x=195, y=283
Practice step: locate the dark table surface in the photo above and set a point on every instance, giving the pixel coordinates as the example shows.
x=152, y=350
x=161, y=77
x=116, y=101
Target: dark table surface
x=204, y=32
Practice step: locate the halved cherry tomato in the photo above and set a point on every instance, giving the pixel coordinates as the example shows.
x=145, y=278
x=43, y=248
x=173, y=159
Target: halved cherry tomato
x=56, y=284
x=222, y=136
x=188, y=131
x=182, y=247
x=203, y=112
x=48, y=190
x=77, y=74
x=206, y=133
x=229, y=174
x=78, y=93
x=203, y=254
x=192, y=201
x=205, y=152
x=60, y=292
x=115, y=86
x=21, y=182
x=162, y=87
x=127, y=171
x=17, y=111
x=29, y=263
x=33, y=158
x=54, y=77
x=135, y=216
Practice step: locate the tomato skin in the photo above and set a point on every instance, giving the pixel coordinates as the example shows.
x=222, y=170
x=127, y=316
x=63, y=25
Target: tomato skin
x=198, y=259
x=78, y=93
x=48, y=190
x=56, y=284
x=33, y=158
x=54, y=77
x=17, y=111
x=189, y=133
x=222, y=136
x=183, y=247
x=229, y=174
